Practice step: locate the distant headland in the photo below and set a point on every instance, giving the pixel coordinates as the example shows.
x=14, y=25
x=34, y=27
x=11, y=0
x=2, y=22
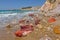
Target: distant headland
x=31, y=8
x=26, y=8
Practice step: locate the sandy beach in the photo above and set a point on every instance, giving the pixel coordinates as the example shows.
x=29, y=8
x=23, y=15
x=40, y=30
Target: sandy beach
x=37, y=34
x=43, y=24
x=9, y=35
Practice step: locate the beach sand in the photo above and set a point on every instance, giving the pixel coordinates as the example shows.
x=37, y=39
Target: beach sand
x=7, y=34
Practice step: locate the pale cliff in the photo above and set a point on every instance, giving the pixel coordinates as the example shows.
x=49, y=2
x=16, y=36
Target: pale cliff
x=51, y=8
x=50, y=5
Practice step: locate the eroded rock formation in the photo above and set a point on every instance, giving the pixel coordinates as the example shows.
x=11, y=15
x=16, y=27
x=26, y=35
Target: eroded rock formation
x=50, y=5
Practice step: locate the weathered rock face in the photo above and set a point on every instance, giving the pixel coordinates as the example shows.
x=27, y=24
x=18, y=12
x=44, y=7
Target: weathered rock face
x=51, y=1
x=50, y=5
x=58, y=1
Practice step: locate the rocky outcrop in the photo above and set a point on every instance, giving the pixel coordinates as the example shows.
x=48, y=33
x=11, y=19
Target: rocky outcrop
x=50, y=5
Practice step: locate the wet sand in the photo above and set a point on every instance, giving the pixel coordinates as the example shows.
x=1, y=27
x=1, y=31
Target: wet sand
x=8, y=34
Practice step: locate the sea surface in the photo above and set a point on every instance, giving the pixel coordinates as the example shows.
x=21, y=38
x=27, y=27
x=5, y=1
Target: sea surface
x=6, y=13
x=6, y=16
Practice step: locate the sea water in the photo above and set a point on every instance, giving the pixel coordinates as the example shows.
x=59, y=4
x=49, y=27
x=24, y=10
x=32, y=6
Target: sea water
x=6, y=16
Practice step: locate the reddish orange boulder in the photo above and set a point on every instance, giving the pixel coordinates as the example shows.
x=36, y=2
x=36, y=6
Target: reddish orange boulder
x=19, y=33
x=25, y=29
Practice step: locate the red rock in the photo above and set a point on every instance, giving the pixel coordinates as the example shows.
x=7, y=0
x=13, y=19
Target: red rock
x=27, y=27
x=51, y=20
x=19, y=33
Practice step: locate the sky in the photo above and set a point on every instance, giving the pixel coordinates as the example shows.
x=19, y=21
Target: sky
x=15, y=4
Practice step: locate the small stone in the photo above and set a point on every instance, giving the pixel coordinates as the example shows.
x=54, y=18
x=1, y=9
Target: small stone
x=51, y=20
x=56, y=29
x=8, y=26
x=49, y=29
x=39, y=26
